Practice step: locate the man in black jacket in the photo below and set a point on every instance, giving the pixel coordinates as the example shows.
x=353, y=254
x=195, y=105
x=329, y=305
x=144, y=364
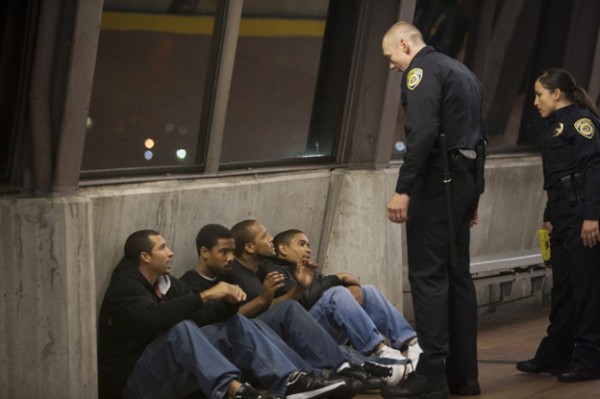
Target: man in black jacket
x=149, y=346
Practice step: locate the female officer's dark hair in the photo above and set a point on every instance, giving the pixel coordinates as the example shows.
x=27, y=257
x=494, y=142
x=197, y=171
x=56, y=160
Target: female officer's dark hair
x=558, y=78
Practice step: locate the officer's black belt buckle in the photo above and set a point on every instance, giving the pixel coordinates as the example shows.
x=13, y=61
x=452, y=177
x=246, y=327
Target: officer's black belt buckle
x=458, y=163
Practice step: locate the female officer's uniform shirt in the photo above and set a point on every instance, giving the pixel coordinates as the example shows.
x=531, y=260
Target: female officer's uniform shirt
x=571, y=145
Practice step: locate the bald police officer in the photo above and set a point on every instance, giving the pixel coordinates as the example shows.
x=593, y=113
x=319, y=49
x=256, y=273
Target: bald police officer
x=440, y=96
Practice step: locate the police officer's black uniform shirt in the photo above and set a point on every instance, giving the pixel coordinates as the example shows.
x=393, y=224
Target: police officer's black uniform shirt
x=439, y=94
x=571, y=145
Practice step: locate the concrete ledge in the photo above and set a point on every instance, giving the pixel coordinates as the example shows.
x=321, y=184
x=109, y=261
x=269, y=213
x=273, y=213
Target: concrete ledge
x=507, y=260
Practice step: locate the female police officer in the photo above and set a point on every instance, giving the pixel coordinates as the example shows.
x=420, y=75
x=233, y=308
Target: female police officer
x=571, y=163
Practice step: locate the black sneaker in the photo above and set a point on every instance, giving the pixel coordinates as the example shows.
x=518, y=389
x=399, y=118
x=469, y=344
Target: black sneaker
x=369, y=381
x=246, y=391
x=391, y=374
x=305, y=386
x=416, y=386
x=353, y=386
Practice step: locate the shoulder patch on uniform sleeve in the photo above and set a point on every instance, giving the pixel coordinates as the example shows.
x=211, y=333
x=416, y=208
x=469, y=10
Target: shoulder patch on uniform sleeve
x=558, y=130
x=585, y=127
x=414, y=78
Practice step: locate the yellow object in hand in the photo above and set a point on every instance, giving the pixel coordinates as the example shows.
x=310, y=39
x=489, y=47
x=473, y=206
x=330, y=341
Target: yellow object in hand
x=544, y=241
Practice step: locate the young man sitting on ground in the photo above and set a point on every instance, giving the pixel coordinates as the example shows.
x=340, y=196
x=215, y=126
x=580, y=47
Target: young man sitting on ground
x=215, y=246
x=339, y=300
x=254, y=246
x=151, y=346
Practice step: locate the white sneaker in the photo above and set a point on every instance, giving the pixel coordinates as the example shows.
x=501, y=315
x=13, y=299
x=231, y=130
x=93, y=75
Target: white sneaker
x=392, y=374
x=390, y=353
x=413, y=352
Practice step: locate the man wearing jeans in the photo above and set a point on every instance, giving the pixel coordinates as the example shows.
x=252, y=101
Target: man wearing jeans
x=148, y=347
x=254, y=246
x=340, y=303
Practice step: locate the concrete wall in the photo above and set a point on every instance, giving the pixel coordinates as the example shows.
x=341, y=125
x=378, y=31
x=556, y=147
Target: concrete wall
x=58, y=253
x=48, y=328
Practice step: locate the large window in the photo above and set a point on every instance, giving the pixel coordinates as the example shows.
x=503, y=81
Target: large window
x=494, y=39
x=148, y=86
x=445, y=26
x=152, y=68
x=274, y=82
x=13, y=23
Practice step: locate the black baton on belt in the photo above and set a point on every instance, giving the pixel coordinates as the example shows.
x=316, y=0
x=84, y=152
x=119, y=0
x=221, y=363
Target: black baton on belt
x=447, y=180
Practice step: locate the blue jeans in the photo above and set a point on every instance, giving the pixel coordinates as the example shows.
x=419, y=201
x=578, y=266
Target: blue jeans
x=338, y=312
x=304, y=335
x=259, y=350
x=188, y=358
x=179, y=363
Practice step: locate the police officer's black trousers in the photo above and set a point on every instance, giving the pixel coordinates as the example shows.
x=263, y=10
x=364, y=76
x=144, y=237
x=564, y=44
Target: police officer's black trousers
x=444, y=298
x=574, y=332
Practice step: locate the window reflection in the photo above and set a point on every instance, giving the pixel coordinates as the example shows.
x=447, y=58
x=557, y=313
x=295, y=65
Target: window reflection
x=274, y=82
x=148, y=84
x=444, y=24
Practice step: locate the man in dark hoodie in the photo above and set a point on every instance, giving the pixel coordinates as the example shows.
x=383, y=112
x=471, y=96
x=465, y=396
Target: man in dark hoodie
x=149, y=347
x=344, y=307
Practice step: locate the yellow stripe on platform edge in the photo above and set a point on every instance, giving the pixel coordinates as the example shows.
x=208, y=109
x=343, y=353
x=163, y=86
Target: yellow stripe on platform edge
x=203, y=25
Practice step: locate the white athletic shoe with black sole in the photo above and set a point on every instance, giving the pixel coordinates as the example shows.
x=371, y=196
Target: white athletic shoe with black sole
x=306, y=386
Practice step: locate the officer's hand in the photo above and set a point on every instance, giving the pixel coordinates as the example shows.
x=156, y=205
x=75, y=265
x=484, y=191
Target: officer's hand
x=397, y=208
x=474, y=219
x=589, y=233
x=547, y=226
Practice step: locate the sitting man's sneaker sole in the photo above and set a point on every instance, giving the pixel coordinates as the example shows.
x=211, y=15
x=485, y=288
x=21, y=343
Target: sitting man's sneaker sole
x=391, y=374
x=323, y=392
x=359, y=373
x=306, y=386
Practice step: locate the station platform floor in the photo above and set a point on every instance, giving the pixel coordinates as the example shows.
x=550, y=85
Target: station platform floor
x=503, y=342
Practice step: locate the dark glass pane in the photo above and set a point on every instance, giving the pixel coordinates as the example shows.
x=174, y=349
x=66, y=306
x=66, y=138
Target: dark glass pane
x=444, y=25
x=148, y=85
x=273, y=86
x=13, y=16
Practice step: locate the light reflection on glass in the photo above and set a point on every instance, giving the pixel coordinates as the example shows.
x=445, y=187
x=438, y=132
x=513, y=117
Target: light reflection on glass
x=149, y=143
x=181, y=153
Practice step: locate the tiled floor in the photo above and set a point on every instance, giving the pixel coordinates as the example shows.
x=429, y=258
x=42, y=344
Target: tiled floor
x=501, y=345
